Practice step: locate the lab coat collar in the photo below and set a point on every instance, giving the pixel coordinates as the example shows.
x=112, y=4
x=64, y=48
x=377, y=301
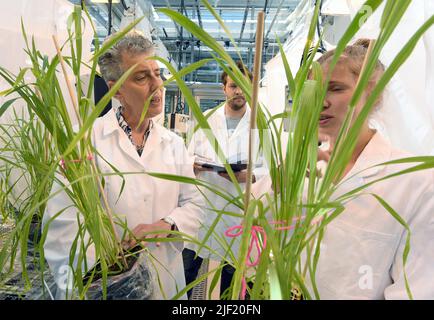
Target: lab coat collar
x=244, y=120
x=246, y=116
x=378, y=150
x=111, y=125
x=157, y=136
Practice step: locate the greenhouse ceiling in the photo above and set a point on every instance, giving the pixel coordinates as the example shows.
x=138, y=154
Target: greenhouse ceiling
x=182, y=47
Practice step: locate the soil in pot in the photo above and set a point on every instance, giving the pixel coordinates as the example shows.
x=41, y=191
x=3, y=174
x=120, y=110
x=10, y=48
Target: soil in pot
x=132, y=283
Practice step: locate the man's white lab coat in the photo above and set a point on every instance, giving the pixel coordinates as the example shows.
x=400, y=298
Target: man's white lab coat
x=144, y=200
x=235, y=148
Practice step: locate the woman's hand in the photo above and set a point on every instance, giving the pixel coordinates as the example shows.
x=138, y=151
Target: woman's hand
x=323, y=155
x=141, y=232
x=325, y=150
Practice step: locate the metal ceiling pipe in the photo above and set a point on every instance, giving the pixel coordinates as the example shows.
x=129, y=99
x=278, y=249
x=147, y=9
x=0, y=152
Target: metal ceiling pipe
x=95, y=13
x=274, y=18
x=109, y=17
x=198, y=13
x=124, y=5
x=176, y=26
x=252, y=41
x=113, y=10
x=246, y=12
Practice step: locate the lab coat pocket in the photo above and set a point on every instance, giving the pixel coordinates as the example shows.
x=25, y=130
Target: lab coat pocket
x=354, y=262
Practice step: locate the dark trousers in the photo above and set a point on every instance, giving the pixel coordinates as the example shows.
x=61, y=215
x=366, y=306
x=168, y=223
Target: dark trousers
x=192, y=266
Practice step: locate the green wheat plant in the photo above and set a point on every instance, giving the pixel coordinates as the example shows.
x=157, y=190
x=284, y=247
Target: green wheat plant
x=290, y=257
x=24, y=153
x=62, y=144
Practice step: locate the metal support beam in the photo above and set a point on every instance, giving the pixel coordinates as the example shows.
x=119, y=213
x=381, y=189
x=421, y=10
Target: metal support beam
x=198, y=14
x=183, y=8
x=246, y=12
x=124, y=5
x=176, y=26
x=274, y=18
x=217, y=74
x=225, y=6
x=192, y=59
x=110, y=12
x=95, y=13
x=247, y=41
x=118, y=13
x=265, y=8
x=180, y=56
x=165, y=33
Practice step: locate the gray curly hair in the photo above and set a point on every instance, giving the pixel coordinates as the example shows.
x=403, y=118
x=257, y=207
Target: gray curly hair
x=110, y=62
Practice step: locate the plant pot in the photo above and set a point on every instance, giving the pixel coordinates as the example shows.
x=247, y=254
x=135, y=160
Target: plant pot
x=133, y=283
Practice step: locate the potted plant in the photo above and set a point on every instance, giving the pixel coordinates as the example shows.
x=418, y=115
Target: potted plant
x=67, y=160
x=288, y=256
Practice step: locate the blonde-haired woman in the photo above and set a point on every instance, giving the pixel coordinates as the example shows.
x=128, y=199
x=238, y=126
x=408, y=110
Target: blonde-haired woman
x=362, y=249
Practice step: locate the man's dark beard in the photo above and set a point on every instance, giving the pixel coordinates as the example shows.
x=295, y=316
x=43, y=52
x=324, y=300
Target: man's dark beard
x=235, y=106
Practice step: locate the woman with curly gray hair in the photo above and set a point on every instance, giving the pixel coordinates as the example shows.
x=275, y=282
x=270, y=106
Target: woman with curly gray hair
x=149, y=207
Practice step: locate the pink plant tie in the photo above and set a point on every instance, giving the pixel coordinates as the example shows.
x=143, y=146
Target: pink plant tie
x=254, y=241
x=63, y=165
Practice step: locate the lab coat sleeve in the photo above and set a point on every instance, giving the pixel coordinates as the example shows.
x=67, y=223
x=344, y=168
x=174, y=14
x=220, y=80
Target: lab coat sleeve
x=189, y=214
x=420, y=263
x=62, y=231
x=191, y=147
x=197, y=144
x=261, y=170
x=261, y=187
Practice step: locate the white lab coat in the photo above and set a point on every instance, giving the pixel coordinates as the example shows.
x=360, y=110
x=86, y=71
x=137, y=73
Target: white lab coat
x=362, y=249
x=235, y=148
x=144, y=199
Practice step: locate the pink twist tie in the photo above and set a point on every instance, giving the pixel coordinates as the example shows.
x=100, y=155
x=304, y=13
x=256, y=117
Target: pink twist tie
x=253, y=241
x=63, y=165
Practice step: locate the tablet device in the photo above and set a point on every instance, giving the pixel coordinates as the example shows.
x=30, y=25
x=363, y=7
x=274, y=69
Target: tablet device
x=236, y=167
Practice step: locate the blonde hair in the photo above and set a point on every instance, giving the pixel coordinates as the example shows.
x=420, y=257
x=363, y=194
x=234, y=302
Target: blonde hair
x=354, y=56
